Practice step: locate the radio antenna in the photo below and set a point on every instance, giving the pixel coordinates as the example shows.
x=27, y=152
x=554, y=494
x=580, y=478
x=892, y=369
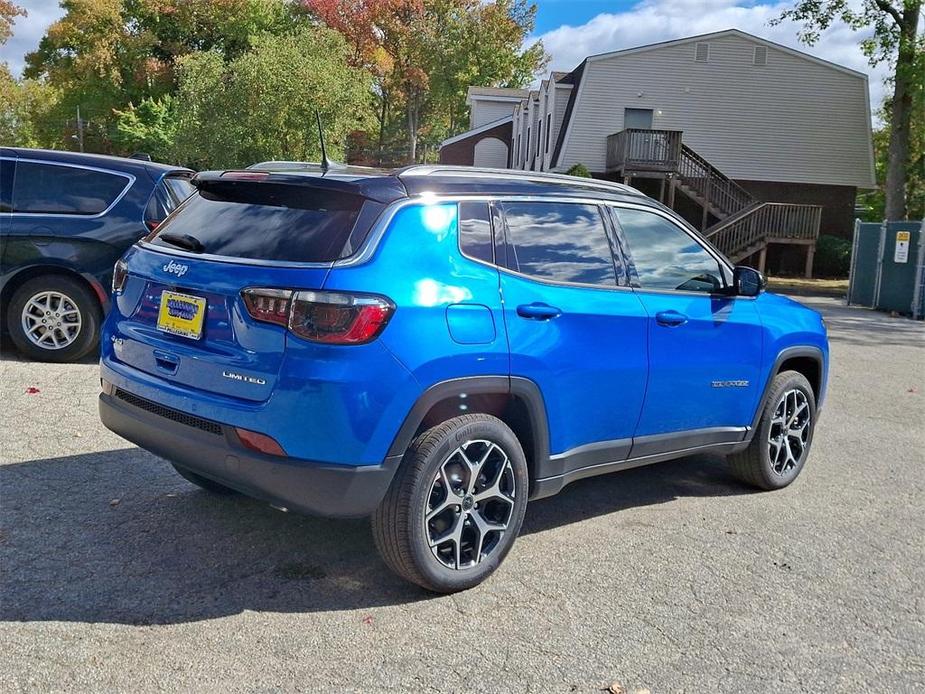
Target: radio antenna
x=325, y=162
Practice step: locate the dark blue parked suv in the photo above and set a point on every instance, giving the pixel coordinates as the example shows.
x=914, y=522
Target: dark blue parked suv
x=65, y=218
x=435, y=346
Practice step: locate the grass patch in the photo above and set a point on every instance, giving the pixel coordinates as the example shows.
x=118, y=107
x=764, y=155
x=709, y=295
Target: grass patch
x=811, y=287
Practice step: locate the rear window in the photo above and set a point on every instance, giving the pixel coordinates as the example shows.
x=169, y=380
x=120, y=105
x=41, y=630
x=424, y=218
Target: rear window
x=54, y=189
x=266, y=222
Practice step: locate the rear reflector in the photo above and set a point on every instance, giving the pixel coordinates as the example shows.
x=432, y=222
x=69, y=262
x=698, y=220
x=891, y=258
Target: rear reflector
x=259, y=442
x=335, y=318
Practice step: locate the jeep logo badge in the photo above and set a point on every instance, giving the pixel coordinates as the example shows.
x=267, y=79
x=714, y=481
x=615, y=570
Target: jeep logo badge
x=178, y=269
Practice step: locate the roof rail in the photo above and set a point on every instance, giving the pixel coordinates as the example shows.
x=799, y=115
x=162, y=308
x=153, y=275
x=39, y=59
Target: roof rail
x=533, y=176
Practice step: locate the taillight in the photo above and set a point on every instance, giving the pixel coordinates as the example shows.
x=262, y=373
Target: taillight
x=335, y=318
x=338, y=318
x=119, y=275
x=268, y=305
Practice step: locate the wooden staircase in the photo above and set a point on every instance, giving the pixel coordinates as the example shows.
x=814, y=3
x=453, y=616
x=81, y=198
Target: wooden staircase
x=744, y=225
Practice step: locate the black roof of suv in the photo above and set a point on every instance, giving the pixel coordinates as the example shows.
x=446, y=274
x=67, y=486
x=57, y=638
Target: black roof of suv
x=386, y=185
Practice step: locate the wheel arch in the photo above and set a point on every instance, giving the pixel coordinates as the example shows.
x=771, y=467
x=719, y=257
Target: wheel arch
x=515, y=401
x=23, y=275
x=806, y=360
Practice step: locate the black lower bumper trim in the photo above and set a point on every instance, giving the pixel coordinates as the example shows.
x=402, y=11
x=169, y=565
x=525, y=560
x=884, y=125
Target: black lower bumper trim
x=296, y=485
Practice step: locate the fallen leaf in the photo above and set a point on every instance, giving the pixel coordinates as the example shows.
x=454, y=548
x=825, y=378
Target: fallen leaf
x=32, y=390
x=913, y=389
x=368, y=619
x=115, y=502
x=616, y=688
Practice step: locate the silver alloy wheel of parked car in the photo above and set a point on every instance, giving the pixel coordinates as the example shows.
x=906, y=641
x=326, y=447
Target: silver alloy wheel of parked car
x=789, y=433
x=51, y=320
x=470, y=504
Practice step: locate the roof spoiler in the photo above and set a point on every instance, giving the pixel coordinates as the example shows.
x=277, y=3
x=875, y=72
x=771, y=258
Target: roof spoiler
x=378, y=189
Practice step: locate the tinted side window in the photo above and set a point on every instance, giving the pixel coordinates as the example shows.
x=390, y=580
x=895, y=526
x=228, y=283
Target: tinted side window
x=475, y=230
x=663, y=256
x=564, y=242
x=64, y=189
x=179, y=188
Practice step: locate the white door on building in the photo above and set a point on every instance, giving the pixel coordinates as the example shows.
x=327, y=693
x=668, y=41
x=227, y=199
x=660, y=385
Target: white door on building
x=490, y=152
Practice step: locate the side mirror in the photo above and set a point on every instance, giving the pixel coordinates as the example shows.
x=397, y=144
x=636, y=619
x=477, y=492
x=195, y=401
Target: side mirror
x=747, y=281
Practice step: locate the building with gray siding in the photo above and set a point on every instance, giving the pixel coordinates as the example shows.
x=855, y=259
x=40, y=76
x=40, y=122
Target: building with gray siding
x=760, y=146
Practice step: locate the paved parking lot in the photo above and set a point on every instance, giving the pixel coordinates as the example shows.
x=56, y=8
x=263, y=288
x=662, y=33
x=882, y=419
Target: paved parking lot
x=117, y=574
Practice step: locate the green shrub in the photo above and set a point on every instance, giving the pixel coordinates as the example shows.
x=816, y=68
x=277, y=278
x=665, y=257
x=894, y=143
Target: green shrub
x=833, y=257
x=579, y=170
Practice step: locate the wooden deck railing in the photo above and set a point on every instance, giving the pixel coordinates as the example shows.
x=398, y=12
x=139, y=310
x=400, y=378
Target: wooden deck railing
x=636, y=149
x=744, y=221
x=762, y=222
x=711, y=184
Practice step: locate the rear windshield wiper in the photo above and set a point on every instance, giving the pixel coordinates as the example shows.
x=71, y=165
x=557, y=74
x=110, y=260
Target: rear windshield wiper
x=184, y=241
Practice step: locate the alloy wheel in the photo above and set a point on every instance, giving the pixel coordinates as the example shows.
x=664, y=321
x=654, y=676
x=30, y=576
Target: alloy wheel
x=470, y=504
x=790, y=431
x=51, y=320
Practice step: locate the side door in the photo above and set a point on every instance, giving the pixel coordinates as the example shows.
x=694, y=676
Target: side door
x=574, y=328
x=82, y=217
x=705, y=346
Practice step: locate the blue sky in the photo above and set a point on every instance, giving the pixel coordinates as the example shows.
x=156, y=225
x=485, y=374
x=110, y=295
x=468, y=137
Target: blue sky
x=553, y=13
x=573, y=29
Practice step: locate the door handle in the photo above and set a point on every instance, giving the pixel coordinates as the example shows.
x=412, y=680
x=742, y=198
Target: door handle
x=670, y=319
x=538, y=311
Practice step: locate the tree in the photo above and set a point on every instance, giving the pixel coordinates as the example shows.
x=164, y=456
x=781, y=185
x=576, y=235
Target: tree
x=103, y=55
x=426, y=53
x=895, y=40
x=875, y=201
x=481, y=45
x=151, y=127
x=261, y=104
x=24, y=109
x=360, y=22
x=8, y=14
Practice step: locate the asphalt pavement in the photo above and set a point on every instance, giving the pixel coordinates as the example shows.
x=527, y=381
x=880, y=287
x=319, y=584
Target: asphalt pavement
x=117, y=575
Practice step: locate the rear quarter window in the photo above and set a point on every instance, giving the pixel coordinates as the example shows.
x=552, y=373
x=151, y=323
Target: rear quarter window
x=265, y=222
x=60, y=189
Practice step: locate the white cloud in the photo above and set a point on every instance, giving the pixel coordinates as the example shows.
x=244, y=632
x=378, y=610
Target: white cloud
x=652, y=21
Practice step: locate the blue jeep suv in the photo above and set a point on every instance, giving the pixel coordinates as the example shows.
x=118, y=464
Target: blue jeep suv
x=435, y=346
x=65, y=218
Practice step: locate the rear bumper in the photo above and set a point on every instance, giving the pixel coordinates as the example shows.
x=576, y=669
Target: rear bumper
x=297, y=485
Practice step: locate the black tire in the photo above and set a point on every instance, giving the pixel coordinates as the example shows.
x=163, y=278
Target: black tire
x=399, y=529
x=204, y=482
x=759, y=465
x=86, y=337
